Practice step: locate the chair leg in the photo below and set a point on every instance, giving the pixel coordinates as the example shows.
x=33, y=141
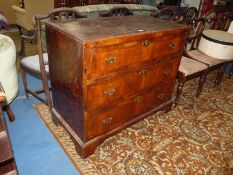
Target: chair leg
x=55, y=119
x=46, y=89
x=202, y=81
x=22, y=44
x=10, y=113
x=181, y=81
x=231, y=71
x=48, y=97
x=24, y=78
x=219, y=77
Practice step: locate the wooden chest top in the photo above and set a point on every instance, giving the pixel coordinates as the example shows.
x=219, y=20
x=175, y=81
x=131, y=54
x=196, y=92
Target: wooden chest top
x=102, y=31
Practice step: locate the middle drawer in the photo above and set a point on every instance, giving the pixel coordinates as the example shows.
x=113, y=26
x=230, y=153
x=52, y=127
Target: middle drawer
x=146, y=77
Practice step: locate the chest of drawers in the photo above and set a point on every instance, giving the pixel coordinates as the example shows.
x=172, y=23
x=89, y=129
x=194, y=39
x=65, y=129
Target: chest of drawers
x=108, y=73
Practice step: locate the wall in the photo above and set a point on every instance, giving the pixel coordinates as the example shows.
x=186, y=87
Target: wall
x=193, y=3
x=5, y=7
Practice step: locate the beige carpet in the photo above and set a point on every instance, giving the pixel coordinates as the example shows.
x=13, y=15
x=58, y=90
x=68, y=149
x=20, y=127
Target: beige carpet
x=196, y=138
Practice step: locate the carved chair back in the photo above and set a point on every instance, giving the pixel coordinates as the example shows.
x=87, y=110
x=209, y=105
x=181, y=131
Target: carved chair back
x=209, y=18
x=190, y=14
x=117, y=11
x=228, y=18
x=165, y=13
x=55, y=15
x=195, y=33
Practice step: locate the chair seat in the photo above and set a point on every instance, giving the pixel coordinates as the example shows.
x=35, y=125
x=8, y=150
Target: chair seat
x=202, y=57
x=189, y=66
x=32, y=63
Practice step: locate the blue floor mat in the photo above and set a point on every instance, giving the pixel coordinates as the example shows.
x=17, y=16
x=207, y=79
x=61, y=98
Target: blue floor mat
x=36, y=150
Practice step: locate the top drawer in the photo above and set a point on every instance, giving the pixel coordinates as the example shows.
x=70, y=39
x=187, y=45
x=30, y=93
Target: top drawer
x=108, y=59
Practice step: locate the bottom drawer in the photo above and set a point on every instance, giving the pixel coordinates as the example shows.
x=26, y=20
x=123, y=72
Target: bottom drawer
x=103, y=122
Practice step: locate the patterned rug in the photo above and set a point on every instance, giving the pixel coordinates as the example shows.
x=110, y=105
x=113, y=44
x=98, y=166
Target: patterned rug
x=194, y=138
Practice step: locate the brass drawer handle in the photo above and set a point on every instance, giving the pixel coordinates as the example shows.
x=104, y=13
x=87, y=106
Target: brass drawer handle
x=138, y=99
x=107, y=121
x=167, y=71
x=146, y=43
x=110, y=92
x=111, y=60
x=161, y=96
x=142, y=72
x=172, y=45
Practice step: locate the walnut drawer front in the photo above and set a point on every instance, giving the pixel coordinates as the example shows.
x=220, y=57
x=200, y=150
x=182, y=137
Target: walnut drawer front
x=112, y=58
x=146, y=77
x=169, y=46
x=102, y=122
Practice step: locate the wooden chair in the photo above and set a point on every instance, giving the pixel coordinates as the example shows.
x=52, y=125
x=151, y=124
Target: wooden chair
x=24, y=16
x=38, y=64
x=165, y=13
x=213, y=63
x=229, y=28
x=228, y=20
x=190, y=68
x=130, y=1
x=210, y=14
x=231, y=71
x=221, y=22
x=196, y=29
x=217, y=23
x=209, y=18
x=116, y=11
x=189, y=15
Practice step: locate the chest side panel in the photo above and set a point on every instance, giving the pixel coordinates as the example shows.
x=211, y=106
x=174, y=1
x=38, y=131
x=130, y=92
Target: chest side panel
x=66, y=75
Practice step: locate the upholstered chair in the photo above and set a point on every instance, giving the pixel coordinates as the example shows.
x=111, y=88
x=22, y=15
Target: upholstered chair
x=190, y=68
x=8, y=71
x=24, y=18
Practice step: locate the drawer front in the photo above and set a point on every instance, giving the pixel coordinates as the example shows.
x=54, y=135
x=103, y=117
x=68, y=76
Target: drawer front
x=106, y=92
x=112, y=58
x=170, y=46
x=101, y=123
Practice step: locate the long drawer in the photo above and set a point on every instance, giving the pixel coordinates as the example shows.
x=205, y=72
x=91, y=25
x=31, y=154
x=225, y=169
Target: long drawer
x=102, y=122
x=146, y=77
x=108, y=59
